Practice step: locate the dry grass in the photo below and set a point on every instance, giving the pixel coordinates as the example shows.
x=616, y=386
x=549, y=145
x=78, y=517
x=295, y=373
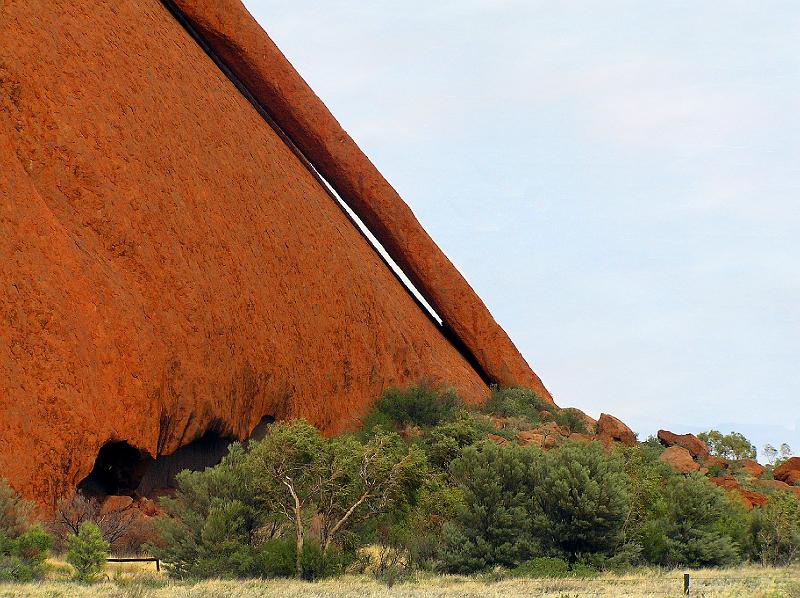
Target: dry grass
x=138, y=581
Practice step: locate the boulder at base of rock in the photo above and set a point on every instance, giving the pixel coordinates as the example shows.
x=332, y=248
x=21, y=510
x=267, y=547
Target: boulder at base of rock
x=749, y=498
x=690, y=442
x=679, y=459
x=751, y=467
x=113, y=504
x=610, y=429
x=778, y=485
x=530, y=437
x=788, y=471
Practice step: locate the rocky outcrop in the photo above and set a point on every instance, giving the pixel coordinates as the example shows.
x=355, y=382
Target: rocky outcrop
x=788, y=471
x=610, y=429
x=751, y=467
x=749, y=498
x=170, y=267
x=690, y=442
x=679, y=459
x=778, y=485
x=250, y=54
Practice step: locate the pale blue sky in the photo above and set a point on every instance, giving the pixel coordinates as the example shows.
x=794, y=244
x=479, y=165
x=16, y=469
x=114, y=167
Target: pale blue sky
x=619, y=181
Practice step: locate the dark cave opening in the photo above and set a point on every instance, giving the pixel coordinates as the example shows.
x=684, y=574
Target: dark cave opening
x=121, y=469
x=118, y=469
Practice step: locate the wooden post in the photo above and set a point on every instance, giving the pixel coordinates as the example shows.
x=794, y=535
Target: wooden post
x=686, y=582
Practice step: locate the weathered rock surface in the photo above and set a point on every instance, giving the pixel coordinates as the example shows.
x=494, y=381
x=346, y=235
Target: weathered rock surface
x=679, y=459
x=751, y=467
x=749, y=498
x=610, y=429
x=788, y=471
x=169, y=266
x=690, y=442
x=777, y=485
x=247, y=50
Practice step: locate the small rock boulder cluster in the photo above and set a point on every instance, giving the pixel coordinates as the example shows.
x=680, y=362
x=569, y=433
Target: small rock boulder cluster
x=685, y=453
x=607, y=430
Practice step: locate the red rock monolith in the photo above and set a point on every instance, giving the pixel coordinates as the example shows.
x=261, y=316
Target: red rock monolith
x=167, y=264
x=241, y=43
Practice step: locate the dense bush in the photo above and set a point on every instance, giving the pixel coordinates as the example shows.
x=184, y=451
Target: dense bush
x=581, y=501
x=517, y=402
x=419, y=405
x=493, y=526
x=703, y=527
x=224, y=520
x=23, y=549
x=22, y=557
x=87, y=552
x=775, y=530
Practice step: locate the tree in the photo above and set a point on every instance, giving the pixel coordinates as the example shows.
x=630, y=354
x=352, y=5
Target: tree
x=87, y=552
x=285, y=471
x=703, y=527
x=215, y=524
x=775, y=530
x=358, y=481
x=733, y=446
x=72, y=512
x=646, y=478
x=581, y=500
x=493, y=527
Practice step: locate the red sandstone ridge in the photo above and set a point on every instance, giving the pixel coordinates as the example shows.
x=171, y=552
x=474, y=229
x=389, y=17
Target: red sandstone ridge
x=170, y=266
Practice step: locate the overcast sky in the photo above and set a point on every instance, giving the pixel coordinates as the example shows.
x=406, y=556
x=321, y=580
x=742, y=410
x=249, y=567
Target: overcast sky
x=619, y=181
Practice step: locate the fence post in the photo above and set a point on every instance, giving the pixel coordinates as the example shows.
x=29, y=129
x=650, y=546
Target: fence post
x=686, y=582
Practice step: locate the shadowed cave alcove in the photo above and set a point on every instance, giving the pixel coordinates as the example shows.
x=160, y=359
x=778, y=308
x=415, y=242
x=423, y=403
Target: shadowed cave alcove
x=121, y=469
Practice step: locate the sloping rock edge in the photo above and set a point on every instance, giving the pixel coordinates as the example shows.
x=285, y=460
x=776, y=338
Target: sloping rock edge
x=249, y=58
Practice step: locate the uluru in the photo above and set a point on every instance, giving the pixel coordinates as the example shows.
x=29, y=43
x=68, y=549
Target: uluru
x=180, y=263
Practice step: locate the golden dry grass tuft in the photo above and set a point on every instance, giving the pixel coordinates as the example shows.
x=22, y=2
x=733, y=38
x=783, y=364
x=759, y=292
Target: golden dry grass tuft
x=136, y=581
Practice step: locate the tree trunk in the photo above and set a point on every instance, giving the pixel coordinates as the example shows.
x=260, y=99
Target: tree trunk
x=298, y=528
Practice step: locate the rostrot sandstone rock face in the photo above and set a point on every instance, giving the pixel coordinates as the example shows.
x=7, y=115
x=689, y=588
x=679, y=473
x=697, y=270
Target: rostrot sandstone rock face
x=170, y=267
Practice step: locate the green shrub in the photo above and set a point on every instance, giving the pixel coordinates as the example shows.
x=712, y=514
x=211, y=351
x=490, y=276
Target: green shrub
x=582, y=570
x=22, y=558
x=493, y=527
x=542, y=567
x=580, y=500
x=14, y=511
x=775, y=530
x=702, y=527
x=419, y=405
x=517, y=402
x=445, y=442
x=87, y=552
x=571, y=419
x=23, y=549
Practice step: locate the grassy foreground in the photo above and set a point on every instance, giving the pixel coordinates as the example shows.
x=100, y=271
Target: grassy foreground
x=133, y=581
